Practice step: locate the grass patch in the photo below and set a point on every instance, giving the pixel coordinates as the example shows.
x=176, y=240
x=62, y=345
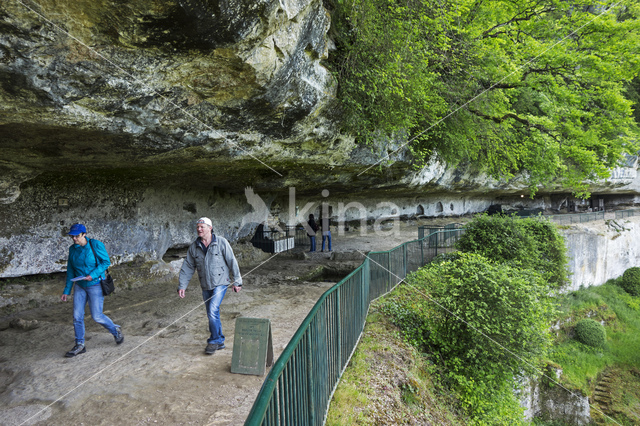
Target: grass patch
x=615, y=367
x=389, y=382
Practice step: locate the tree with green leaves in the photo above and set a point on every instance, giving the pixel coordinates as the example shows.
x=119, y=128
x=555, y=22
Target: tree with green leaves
x=540, y=87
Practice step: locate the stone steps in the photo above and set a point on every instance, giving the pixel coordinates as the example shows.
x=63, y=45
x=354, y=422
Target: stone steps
x=601, y=398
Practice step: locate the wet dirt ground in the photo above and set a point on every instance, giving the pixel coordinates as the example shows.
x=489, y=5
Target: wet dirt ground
x=160, y=374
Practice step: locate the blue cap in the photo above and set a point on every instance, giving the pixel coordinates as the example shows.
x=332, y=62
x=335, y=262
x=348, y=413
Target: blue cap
x=77, y=229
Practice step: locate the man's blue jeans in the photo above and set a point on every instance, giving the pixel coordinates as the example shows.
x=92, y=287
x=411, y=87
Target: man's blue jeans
x=326, y=237
x=212, y=300
x=312, y=241
x=93, y=295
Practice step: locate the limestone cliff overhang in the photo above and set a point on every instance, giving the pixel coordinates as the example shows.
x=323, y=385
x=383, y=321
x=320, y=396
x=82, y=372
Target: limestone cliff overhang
x=174, y=93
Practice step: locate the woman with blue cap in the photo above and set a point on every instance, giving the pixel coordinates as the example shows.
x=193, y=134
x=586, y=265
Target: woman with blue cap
x=86, y=266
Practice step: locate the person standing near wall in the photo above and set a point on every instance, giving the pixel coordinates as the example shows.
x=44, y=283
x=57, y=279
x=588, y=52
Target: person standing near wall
x=313, y=228
x=88, y=260
x=213, y=257
x=325, y=223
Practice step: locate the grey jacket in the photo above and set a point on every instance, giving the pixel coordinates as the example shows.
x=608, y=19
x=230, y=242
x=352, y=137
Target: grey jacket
x=213, y=269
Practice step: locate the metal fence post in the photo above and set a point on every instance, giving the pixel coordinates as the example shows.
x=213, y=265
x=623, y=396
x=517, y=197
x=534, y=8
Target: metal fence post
x=310, y=382
x=388, y=269
x=404, y=255
x=339, y=329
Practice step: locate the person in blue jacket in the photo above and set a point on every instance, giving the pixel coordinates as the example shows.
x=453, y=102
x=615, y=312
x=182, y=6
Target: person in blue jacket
x=86, y=270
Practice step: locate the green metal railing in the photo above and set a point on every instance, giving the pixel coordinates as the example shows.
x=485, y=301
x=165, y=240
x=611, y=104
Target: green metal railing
x=575, y=218
x=621, y=214
x=299, y=386
x=589, y=217
x=561, y=219
x=428, y=229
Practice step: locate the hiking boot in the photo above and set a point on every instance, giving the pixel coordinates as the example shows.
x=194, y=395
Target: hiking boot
x=212, y=347
x=77, y=350
x=119, y=336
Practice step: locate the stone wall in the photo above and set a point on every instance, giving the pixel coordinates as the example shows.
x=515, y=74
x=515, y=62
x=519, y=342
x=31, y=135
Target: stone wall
x=134, y=223
x=141, y=222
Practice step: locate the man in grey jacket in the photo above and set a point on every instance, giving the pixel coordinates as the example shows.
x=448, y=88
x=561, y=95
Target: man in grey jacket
x=213, y=257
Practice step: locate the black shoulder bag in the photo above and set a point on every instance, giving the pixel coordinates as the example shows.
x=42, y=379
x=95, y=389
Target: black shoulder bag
x=107, y=284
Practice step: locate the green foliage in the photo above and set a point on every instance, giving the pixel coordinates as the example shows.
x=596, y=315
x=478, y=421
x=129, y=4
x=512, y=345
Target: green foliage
x=583, y=365
x=510, y=86
x=390, y=382
x=486, y=322
x=498, y=237
x=409, y=314
x=484, y=313
x=384, y=66
x=591, y=333
x=532, y=243
x=631, y=281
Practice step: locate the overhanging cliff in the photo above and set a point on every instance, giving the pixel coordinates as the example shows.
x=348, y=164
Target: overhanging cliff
x=138, y=117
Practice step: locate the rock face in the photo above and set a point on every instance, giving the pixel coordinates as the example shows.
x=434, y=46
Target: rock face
x=165, y=88
x=138, y=117
x=546, y=399
x=600, y=251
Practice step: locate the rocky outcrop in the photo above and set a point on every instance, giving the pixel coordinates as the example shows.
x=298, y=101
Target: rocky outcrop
x=545, y=398
x=601, y=250
x=233, y=91
x=138, y=117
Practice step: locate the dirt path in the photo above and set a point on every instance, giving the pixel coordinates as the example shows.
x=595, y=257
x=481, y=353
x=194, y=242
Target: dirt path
x=160, y=374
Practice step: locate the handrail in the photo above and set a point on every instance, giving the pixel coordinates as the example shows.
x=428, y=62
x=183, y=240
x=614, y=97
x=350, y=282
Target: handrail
x=269, y=383
x=589, y=216
x=430, y=228
x=300, y=385
x=558, y=218
x=620, y=214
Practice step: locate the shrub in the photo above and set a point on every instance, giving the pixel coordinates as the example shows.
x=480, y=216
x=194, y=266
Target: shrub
x=408, y=313
x=476, y=298
x=531, y=243
x=551, y=250
x=485, y=321
x=446, y=257
x=499, y=238
x=591, y=333
x=631, y=281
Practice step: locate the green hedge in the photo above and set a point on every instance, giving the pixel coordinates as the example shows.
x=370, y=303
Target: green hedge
x=532, y=243
x=485, y=322
x=631, y=281
x=591, y=333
